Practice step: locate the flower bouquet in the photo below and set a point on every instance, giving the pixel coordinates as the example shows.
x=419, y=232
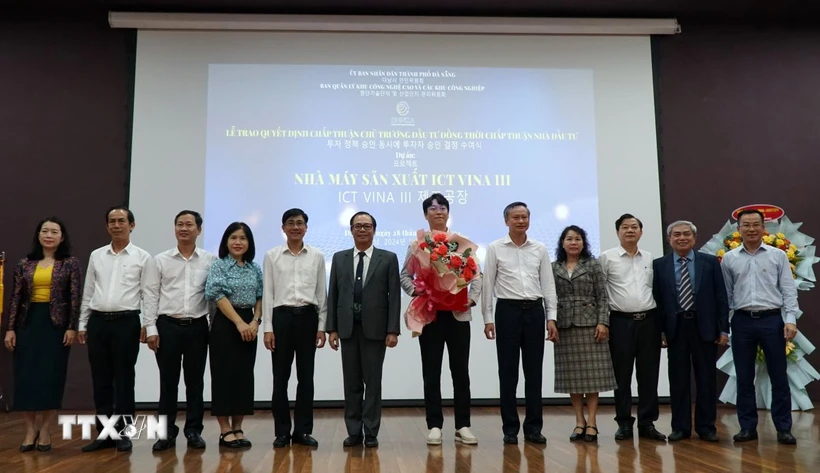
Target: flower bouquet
x=443, y=265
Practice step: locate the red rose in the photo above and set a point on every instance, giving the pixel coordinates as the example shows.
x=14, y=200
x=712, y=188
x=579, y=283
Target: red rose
x=467, y=274
x=471, y=263
x=423, y=245
x=455, y=261
x=441, y=250
x=440, y=237
x=433, y=256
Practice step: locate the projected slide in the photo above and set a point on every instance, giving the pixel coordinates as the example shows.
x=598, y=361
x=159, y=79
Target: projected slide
x=337, y=139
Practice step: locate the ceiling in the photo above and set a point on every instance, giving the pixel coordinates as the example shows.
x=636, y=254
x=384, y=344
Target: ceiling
x=722, y=10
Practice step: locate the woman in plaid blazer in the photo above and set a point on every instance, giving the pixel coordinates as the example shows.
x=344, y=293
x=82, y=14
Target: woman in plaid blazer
x=583, y=366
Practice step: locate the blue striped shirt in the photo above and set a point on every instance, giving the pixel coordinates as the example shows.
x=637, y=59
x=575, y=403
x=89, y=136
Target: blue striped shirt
x=760, y=281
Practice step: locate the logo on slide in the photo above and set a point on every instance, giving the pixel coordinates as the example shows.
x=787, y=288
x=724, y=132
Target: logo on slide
x=402, y=108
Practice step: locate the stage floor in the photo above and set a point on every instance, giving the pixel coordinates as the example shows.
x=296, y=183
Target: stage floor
x=402, y=448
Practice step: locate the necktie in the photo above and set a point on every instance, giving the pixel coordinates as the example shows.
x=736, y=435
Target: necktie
x=357, y=285
x=685, y=295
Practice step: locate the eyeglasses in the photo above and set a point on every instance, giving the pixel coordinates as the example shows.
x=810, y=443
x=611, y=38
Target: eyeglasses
x=291, y=223
x=437, y=208
x=363, y=226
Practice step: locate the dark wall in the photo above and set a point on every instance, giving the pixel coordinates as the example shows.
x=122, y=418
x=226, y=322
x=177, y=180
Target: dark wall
x=736, y=119
x=64, y=133
x=738, y=124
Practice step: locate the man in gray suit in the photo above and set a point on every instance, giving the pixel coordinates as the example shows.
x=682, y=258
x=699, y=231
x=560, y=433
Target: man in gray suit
x=363, y=310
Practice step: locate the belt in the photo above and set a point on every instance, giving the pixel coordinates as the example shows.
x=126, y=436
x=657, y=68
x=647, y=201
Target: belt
x=633, y=315
x=687, y=314
x=183, y=321
x=305, y=309
x=116, y=315
x=523, y=303
x=756, y=314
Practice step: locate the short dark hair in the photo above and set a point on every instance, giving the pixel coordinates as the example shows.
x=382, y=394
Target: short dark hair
x=223, y=245
x=197, y=217
x=438, y=198
x=120, y=207
x=627, y=217
x=63, y=249
x=750, y=212
x=561, y=253
x=294, y=213
x=514, y=205
x=363, y=213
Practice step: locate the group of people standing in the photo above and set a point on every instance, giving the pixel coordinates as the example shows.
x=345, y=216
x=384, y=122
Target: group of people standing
x=193, y=302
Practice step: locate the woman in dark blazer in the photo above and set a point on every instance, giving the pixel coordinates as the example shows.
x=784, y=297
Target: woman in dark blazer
x=235, y=284
x=43, y=318
x=583, y=366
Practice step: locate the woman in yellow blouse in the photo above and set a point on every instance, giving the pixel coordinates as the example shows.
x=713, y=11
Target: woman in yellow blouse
x=43, y=318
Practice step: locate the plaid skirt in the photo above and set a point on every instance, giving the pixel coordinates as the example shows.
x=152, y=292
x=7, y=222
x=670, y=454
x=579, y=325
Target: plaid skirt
x=581, y=364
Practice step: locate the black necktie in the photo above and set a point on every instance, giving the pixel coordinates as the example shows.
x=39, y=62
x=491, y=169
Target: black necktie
x=685, y=296
x=357, y=285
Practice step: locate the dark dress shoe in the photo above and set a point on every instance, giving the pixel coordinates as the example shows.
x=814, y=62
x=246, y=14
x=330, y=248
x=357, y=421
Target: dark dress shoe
x=677, y=435
x=243, y=442
x=164, y=444
x=195, y=440
x=281, y=441
x=591, y=437
x=650, y=432
x=511, y=439
x=124, y=444
x=786, y=438
x=305, y=439
x=535, y=438
x=624, y=432
x=745, y=435
x=352, y=441
x=577, y=435
x=99, y=445
x=371, y=442
x=229, y=443
x=43, y=447
x=706, y=436
x=27, y=448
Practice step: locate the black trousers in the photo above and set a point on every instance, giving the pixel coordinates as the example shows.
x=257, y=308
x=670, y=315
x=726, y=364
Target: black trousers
x=766, y=331
x=182, y=344
x=635, y=343
x=295, y=331
x=456, y=335
x=362, y=362
x=520, y=332
x=113, y=346
x=687, y=351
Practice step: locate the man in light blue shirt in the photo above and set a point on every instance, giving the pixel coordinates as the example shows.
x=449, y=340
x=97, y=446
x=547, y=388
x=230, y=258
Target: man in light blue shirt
x=763, y=296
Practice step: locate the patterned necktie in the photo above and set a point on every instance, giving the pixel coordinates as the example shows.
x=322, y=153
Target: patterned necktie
x=357, y=285
x=685, y=295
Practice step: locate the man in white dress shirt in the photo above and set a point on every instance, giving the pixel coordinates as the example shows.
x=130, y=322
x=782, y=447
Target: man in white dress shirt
x=517, y=270
x=634, y=329
x=176, y=323
x=110, y=321
x=452, y=329
x=294, y=310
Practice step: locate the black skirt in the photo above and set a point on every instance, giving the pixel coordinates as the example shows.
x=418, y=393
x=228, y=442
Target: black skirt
x=40, y=362
x=232, y=362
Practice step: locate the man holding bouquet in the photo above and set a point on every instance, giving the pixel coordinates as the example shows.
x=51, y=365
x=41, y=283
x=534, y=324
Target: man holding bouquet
x=448, y=327
x=518, y=271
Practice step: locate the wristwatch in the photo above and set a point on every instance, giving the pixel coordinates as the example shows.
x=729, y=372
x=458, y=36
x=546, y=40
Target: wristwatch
x=259, y=321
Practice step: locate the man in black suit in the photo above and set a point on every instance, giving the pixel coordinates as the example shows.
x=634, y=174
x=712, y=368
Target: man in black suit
x=363, y=310
x=690, y=292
